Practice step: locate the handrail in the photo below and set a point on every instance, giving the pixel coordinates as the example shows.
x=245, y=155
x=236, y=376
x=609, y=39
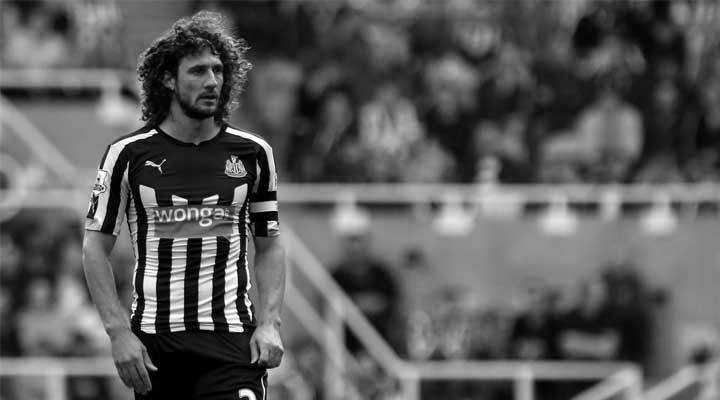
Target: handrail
x=31, y=366
x=315, y=326
x=63, y=78
x=395, y=193
x=407, y=193
x=627, y=380
x=368, y=336
x=683, y=379
x=502, y=369
x=410, y=373
x=481, y=370
x=42, y=148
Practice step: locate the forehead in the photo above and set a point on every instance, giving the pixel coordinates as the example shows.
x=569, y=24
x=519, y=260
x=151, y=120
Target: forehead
x=204, y=57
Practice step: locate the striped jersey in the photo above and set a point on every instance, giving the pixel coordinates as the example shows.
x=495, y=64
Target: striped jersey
x=190, y=209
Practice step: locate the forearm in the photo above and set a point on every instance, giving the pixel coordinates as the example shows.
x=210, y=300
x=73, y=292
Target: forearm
x=596, y=345
x=101, y=283
x=270, y=272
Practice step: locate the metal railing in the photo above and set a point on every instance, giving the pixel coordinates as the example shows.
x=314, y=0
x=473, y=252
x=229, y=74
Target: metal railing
x=43, y=150
x=410, y=194
x=618, y=377
x=63, y=78
x=704, y=376
x=410, y=374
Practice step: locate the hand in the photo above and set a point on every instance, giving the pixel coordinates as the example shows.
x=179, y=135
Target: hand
x=132, y=360
x=266, y=348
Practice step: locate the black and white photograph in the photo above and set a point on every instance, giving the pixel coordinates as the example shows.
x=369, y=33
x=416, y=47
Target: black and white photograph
x=359, y=199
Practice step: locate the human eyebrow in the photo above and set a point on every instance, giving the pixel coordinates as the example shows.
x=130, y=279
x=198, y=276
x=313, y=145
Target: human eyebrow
x=197, y=68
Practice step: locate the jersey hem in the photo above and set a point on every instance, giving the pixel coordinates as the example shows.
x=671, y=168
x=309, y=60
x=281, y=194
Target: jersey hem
x=202, y=327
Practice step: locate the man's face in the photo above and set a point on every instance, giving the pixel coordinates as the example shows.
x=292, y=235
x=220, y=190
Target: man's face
x=198, y=84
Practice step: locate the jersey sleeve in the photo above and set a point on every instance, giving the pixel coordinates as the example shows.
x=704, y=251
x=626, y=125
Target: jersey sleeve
x=263, y=198
x=110, y=193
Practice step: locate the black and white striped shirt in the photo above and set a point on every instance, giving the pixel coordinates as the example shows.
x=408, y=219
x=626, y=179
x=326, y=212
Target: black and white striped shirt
x=190, y=209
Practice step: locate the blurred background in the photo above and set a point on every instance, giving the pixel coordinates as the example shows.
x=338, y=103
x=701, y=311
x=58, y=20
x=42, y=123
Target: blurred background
x=496, y=200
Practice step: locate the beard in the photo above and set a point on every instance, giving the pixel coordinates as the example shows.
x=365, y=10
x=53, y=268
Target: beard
x=193, y=111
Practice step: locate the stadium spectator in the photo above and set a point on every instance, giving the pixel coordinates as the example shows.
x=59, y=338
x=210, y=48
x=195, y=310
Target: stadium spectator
x=371, y=284
x=703, y=163
x=322, y=144
x=38, y=311
x=607, y=138
x=670, y=124
x=449, y=85
x=586, y=333
x=532, y=335
x=630, y=307
x=504, y=105
x=388, y=127
x=271, y=104
x=41, y=27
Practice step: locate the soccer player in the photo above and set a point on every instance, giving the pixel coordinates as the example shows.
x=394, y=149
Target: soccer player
x=193, y=189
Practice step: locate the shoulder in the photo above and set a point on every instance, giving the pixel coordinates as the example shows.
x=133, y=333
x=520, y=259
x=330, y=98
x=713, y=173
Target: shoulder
x=253, y=138
x=134, y=137
x=120, y=148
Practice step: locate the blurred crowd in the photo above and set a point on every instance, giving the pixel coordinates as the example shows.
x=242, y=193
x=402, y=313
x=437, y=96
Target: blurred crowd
x=405, y=91
x=46, y=311
x=517, y=91
x=512, y=91
x=45, y=307
x=60, y=34
x=608, y=316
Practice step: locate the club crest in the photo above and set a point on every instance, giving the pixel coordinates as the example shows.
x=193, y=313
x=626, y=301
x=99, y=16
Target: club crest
x=100, y=182
x=234, y=168
x=99, y=188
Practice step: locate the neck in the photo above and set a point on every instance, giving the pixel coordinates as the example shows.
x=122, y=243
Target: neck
x=186, y=129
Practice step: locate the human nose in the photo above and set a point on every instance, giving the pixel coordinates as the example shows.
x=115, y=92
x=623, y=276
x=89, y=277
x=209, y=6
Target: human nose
x=212, y=81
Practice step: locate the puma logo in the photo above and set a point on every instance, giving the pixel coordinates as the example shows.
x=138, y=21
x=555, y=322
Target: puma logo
x=158, y=166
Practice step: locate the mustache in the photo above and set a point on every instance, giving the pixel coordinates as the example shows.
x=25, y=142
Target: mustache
x=210, y=95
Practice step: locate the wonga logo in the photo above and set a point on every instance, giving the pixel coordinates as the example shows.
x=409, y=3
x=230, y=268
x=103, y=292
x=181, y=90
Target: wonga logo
x=193, y=221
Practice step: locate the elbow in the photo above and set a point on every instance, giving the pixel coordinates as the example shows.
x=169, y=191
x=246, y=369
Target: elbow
x=96, y=247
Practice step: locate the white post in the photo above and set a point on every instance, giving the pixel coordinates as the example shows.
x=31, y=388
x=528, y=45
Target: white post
x=523, y=384
x=334, y=375
x=709, y=382
x=635, y=384
x=410, y=383
x=56, y=387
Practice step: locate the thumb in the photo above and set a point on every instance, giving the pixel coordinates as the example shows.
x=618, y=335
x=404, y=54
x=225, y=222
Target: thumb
x=148, y=362
x=254, y=353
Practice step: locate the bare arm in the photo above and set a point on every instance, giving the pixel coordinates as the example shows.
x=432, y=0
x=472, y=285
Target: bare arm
x=131, y=358
x=270, y=276
x=266, y=345
x=101, y=281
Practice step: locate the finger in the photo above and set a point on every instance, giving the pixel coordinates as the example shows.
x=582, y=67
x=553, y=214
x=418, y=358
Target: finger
x=254, y=353
x=124, y=376
x=148, y=362
x=264, y=357
x=144, y=376
x=275, y=357
x=134, y=376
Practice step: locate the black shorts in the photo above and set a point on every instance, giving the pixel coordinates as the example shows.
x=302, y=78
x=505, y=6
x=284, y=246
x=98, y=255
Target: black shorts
x=203, y=365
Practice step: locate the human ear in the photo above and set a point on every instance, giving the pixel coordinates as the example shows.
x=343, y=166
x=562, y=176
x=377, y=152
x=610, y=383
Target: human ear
x=168, y=81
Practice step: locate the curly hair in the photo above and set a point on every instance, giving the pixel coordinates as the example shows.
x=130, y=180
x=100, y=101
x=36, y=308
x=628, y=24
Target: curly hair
x=191, y=36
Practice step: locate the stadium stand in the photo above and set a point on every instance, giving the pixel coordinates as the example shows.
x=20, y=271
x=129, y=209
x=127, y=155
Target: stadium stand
x=534, y=183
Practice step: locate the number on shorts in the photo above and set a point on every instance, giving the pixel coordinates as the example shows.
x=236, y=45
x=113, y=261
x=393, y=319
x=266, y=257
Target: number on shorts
x=246, y=394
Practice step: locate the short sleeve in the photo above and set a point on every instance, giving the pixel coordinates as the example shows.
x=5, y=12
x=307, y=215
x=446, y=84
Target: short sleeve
x=263, y=197
x=110, y=192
